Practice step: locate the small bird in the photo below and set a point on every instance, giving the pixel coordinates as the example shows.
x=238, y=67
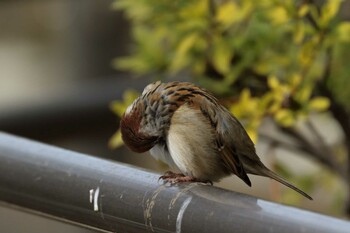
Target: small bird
x=184, y=126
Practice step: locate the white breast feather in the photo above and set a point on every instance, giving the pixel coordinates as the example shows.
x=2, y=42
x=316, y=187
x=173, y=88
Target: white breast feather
x=191, y=145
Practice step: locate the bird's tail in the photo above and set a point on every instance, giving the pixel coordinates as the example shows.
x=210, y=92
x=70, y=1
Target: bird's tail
x=268, y=173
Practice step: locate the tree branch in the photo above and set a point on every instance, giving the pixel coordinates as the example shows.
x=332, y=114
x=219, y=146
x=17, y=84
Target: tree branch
x=305, y=146
x=339, y=113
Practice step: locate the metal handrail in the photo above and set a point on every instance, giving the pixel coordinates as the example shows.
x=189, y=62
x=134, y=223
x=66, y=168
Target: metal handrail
x=120, y=198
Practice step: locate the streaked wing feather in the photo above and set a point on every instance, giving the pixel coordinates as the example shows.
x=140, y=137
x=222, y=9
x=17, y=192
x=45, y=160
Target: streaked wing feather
x=220, y=119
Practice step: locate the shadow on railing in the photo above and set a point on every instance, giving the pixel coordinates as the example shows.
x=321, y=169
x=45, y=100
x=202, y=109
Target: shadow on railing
x=116, y=197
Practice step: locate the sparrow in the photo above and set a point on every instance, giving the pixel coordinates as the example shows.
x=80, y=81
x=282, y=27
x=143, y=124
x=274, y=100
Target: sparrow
x=184, y=126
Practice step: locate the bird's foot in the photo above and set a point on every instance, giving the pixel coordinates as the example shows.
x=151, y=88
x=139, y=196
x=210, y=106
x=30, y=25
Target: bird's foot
x=174, y=178
x=169, y=175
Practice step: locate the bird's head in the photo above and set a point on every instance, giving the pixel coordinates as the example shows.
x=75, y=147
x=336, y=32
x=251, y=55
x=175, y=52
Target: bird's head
x=131, y=128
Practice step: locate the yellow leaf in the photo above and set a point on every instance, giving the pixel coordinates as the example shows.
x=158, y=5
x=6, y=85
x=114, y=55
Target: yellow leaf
x=304, y=94
x=227, y=13
x=230, y=13
x=273, y=82
x=118, y=107
x=299, y=33
x=252, y=134
x=265, y=101
x=319, y=103
x=179, y=60
x=186, y=43
x=195, y=9
x=262, y=66
x=278, y=15
x=116, y=140
x=343, y=31
x=285, y=117
x=129, y=96
x=308, y=49
x=329, y=10
x=245, y=96
x=222, y=56
x=246, y=106
x=295, y=80
x=303, y=10
x=275, y=106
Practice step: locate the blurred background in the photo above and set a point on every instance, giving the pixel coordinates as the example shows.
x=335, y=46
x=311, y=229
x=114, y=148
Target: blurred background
x=279, y=66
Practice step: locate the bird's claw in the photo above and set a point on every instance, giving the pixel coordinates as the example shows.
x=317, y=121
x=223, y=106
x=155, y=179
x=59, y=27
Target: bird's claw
x=174, y=178
x=170, y=177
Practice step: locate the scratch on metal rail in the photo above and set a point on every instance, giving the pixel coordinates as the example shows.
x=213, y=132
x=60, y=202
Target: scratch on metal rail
x=182, y=191
x=150, y=203
x=181, y=214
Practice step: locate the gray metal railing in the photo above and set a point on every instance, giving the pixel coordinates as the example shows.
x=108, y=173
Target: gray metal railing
x=116, y=197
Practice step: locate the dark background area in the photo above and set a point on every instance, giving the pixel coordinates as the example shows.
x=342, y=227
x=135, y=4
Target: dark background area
x=56, y=78
x=56, y=83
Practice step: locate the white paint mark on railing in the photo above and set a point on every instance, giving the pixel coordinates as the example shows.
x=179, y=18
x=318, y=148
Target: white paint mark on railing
x=94, y=195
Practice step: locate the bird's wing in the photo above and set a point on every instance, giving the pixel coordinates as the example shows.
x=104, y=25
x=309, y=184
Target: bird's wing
x=230, y=135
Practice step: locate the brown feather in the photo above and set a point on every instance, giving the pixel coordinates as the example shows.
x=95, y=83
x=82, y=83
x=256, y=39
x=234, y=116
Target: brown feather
x=136, y=141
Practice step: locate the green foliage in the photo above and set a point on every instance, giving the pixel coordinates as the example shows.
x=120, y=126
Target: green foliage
x=268, y=54
x=339, y=80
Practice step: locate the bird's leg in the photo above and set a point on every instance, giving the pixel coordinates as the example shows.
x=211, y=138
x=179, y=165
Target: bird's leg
x=170, y=175
x=173, y=178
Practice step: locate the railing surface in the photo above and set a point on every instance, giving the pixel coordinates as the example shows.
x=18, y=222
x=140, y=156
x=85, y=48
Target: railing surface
x=116, y=197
